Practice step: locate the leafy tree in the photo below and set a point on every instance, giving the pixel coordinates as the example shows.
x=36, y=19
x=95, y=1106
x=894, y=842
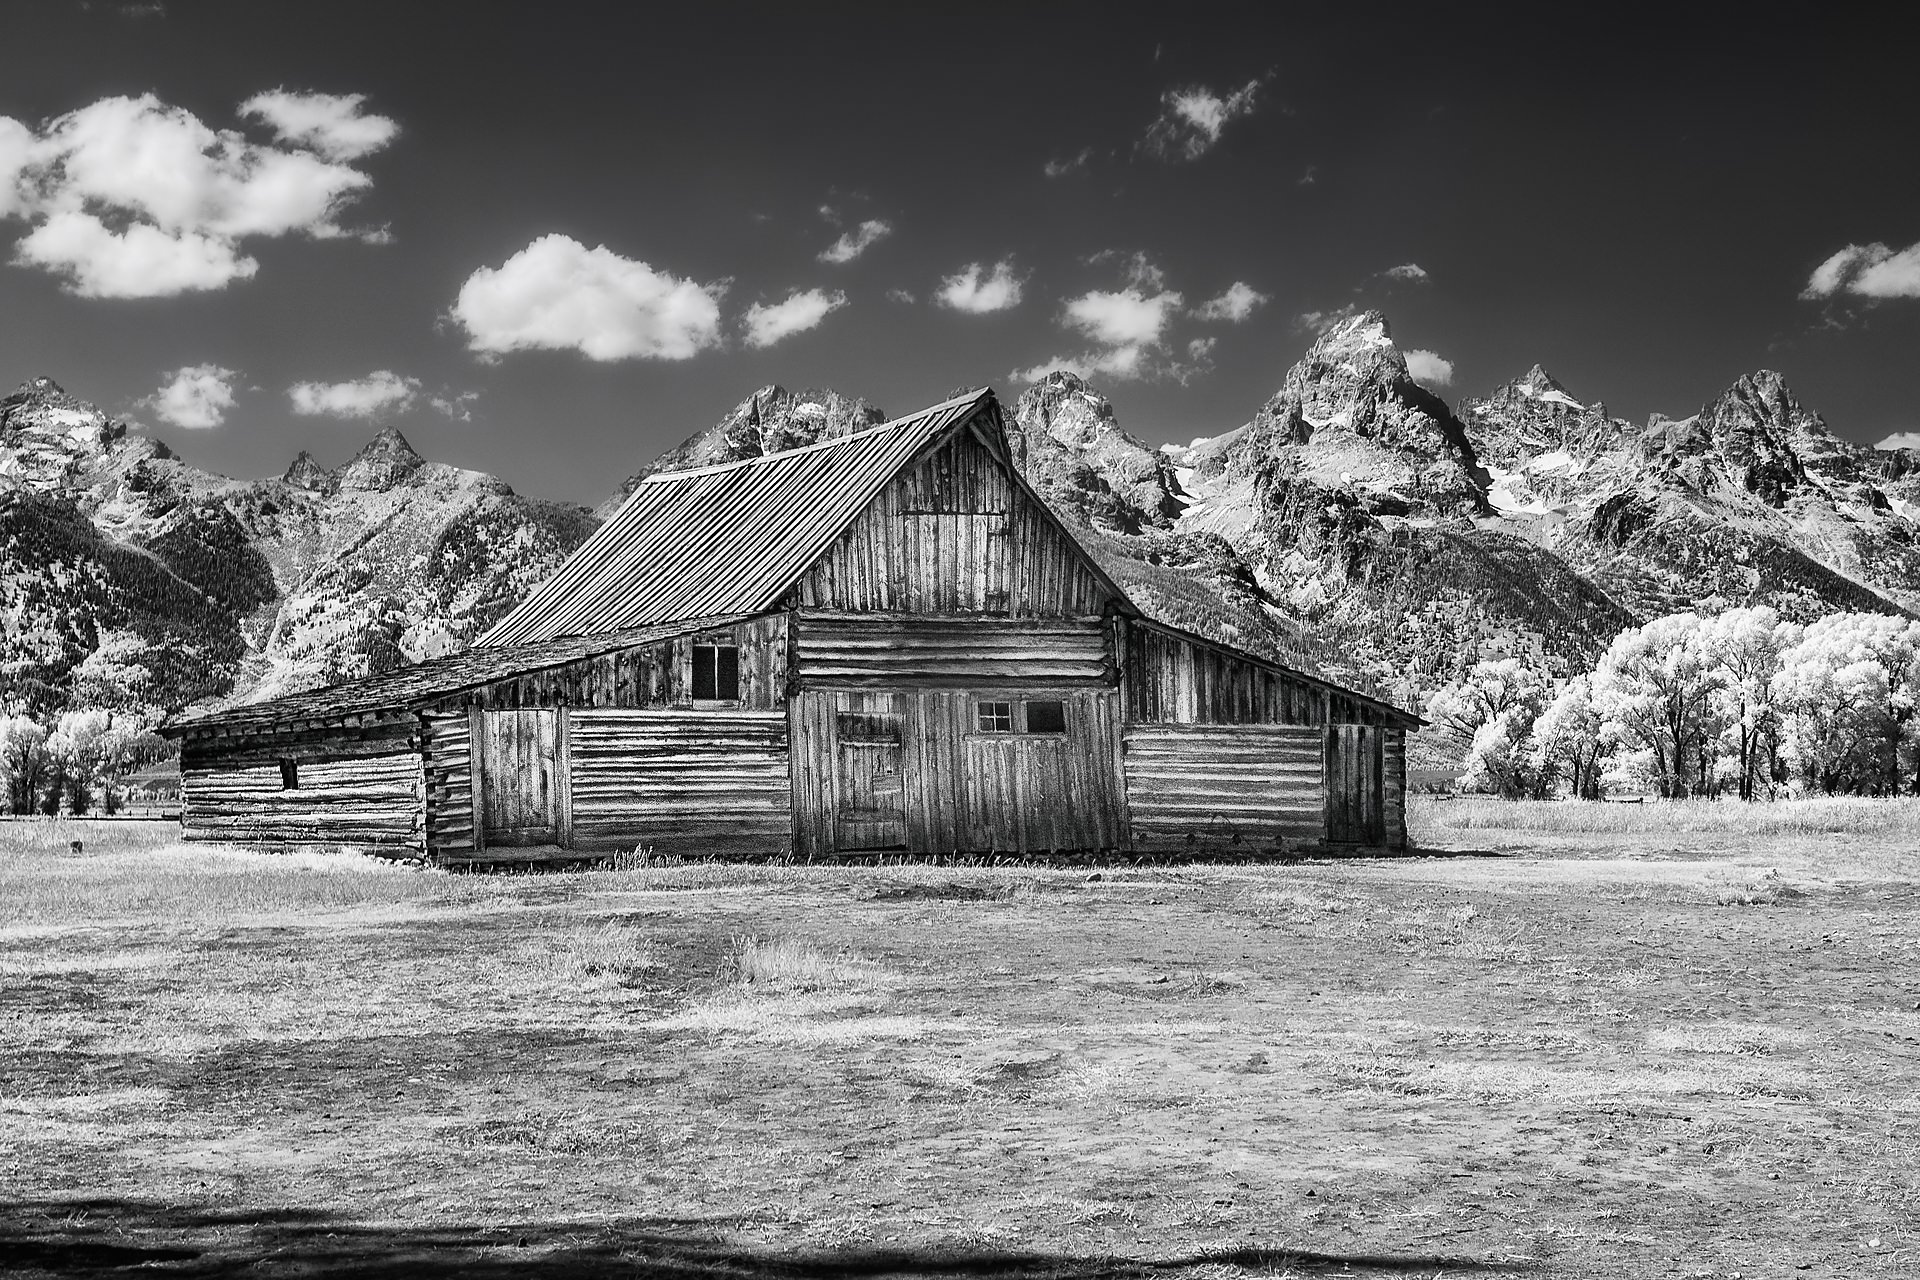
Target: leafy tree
x=1747, y=644
x=24, y=761
x=1850, y=688
x=1570, y=740
x=1491, y=712
x=1655, y=688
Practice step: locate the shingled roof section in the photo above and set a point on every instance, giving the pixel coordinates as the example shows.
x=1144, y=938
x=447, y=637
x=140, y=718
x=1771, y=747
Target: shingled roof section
x=407, y=687
x=723, y=539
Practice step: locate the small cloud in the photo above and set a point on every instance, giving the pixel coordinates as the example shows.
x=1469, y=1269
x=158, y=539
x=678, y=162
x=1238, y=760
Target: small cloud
x=195, y=397
x=1192, y=120
x=382, y=391
x=1200, y=349
x=900, y=295
x=1236, y=304
x=797, y=313
x=558, y=295
x=1127, y=325
x=1406, y=273
x=857, y=241
x=1321, y=321
x=330, y=123
x=1429, y=369
x=458, y=407
x=1072, y=164
x=1873, y=271
x=1901, y=440
x=1307, y=179
x=980, y=291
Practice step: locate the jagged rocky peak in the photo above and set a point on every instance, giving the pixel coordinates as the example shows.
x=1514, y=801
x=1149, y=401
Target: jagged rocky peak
x=1760, y=436
x=1534, y=417
x=382, y=462
x=305, y=473
x=1349, y=414
x=44, y=408
x=771, y=419
x=1067, y=442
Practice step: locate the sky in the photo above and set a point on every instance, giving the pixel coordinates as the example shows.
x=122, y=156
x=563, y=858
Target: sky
x=549, y=241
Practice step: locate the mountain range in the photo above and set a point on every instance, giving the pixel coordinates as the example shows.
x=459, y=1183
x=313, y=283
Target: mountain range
x=1356, y=524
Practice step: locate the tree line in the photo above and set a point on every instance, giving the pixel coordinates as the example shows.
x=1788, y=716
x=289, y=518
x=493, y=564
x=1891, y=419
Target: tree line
x=1738, y=703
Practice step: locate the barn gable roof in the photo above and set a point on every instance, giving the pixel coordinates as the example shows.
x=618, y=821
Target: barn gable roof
x=724, y=539
x=406, y=688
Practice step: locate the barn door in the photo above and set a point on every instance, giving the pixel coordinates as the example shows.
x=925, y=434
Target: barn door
x=519, y=753
x=1356, y=785
x=869, y=793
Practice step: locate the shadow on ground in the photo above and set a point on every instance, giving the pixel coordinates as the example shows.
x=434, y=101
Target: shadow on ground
x=91, y=1237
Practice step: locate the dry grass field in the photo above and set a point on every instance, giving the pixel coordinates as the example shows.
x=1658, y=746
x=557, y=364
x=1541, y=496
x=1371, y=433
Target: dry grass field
x=1587, y=1040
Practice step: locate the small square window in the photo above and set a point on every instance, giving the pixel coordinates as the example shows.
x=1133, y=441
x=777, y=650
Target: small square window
x=289, y=775
x=994, y=717
x=1047, y=715
x=716, y=672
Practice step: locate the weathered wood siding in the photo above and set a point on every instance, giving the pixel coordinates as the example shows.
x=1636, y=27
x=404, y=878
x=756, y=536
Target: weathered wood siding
x=960, y=791
x=954, y=535
x=359, y=800
x=1172, y=679
x=357, y=782
x=1394, y=756
x=1224, y=790
x=652, y=675
x=681, y=782
x=901, y=652
x=448, y=769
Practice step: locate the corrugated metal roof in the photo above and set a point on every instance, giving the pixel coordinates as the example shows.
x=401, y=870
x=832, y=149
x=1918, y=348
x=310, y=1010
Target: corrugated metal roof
x=406, y=687
x=723, y=539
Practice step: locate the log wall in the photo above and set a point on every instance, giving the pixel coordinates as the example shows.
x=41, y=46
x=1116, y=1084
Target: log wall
x=356, y=800
x=1224, y=790
x=904, y=652
x=447, y=765
x=1394, y=765
x=954, y=534
x=694, y=783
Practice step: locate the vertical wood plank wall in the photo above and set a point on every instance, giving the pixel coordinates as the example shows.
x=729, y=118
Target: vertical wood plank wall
x=681, y=782
x=967, y=792
x=1224, y=790
x=954, y=535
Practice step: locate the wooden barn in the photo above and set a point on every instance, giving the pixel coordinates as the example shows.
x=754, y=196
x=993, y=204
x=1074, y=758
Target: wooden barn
x=884, y=642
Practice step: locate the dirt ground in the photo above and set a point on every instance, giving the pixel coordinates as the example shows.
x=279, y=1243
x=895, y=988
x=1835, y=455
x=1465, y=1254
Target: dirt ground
x=1533, y=1055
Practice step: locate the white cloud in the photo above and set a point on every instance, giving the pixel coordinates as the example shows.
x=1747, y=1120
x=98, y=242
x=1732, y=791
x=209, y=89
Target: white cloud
x=195, y=397
x=1873, y=271
x=852, y=244
x=1408, y=273
x=1429, y=369
x=130, y=197
x=1072, y=164
x=1236, y=304
x=977, y=290
x=330, y=123
x=1901, y=440
x=1321, y=321
x=382, y=391
x=797, y=313
x=140, y=262
x=459, y=406
x=1192, y=120
x=558, y=295
x=900, y=295
x=1127, y=325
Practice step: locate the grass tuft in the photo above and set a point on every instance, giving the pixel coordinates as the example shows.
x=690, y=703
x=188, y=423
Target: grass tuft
x=611, y=952
x=793, y=965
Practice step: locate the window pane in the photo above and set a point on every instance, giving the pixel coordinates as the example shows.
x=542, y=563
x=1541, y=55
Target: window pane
x=726, y=679
x=995, y=717
x=1048, y=716
x=703, y=671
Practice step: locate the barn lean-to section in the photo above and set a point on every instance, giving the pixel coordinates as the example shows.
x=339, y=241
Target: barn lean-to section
x=881, y=644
